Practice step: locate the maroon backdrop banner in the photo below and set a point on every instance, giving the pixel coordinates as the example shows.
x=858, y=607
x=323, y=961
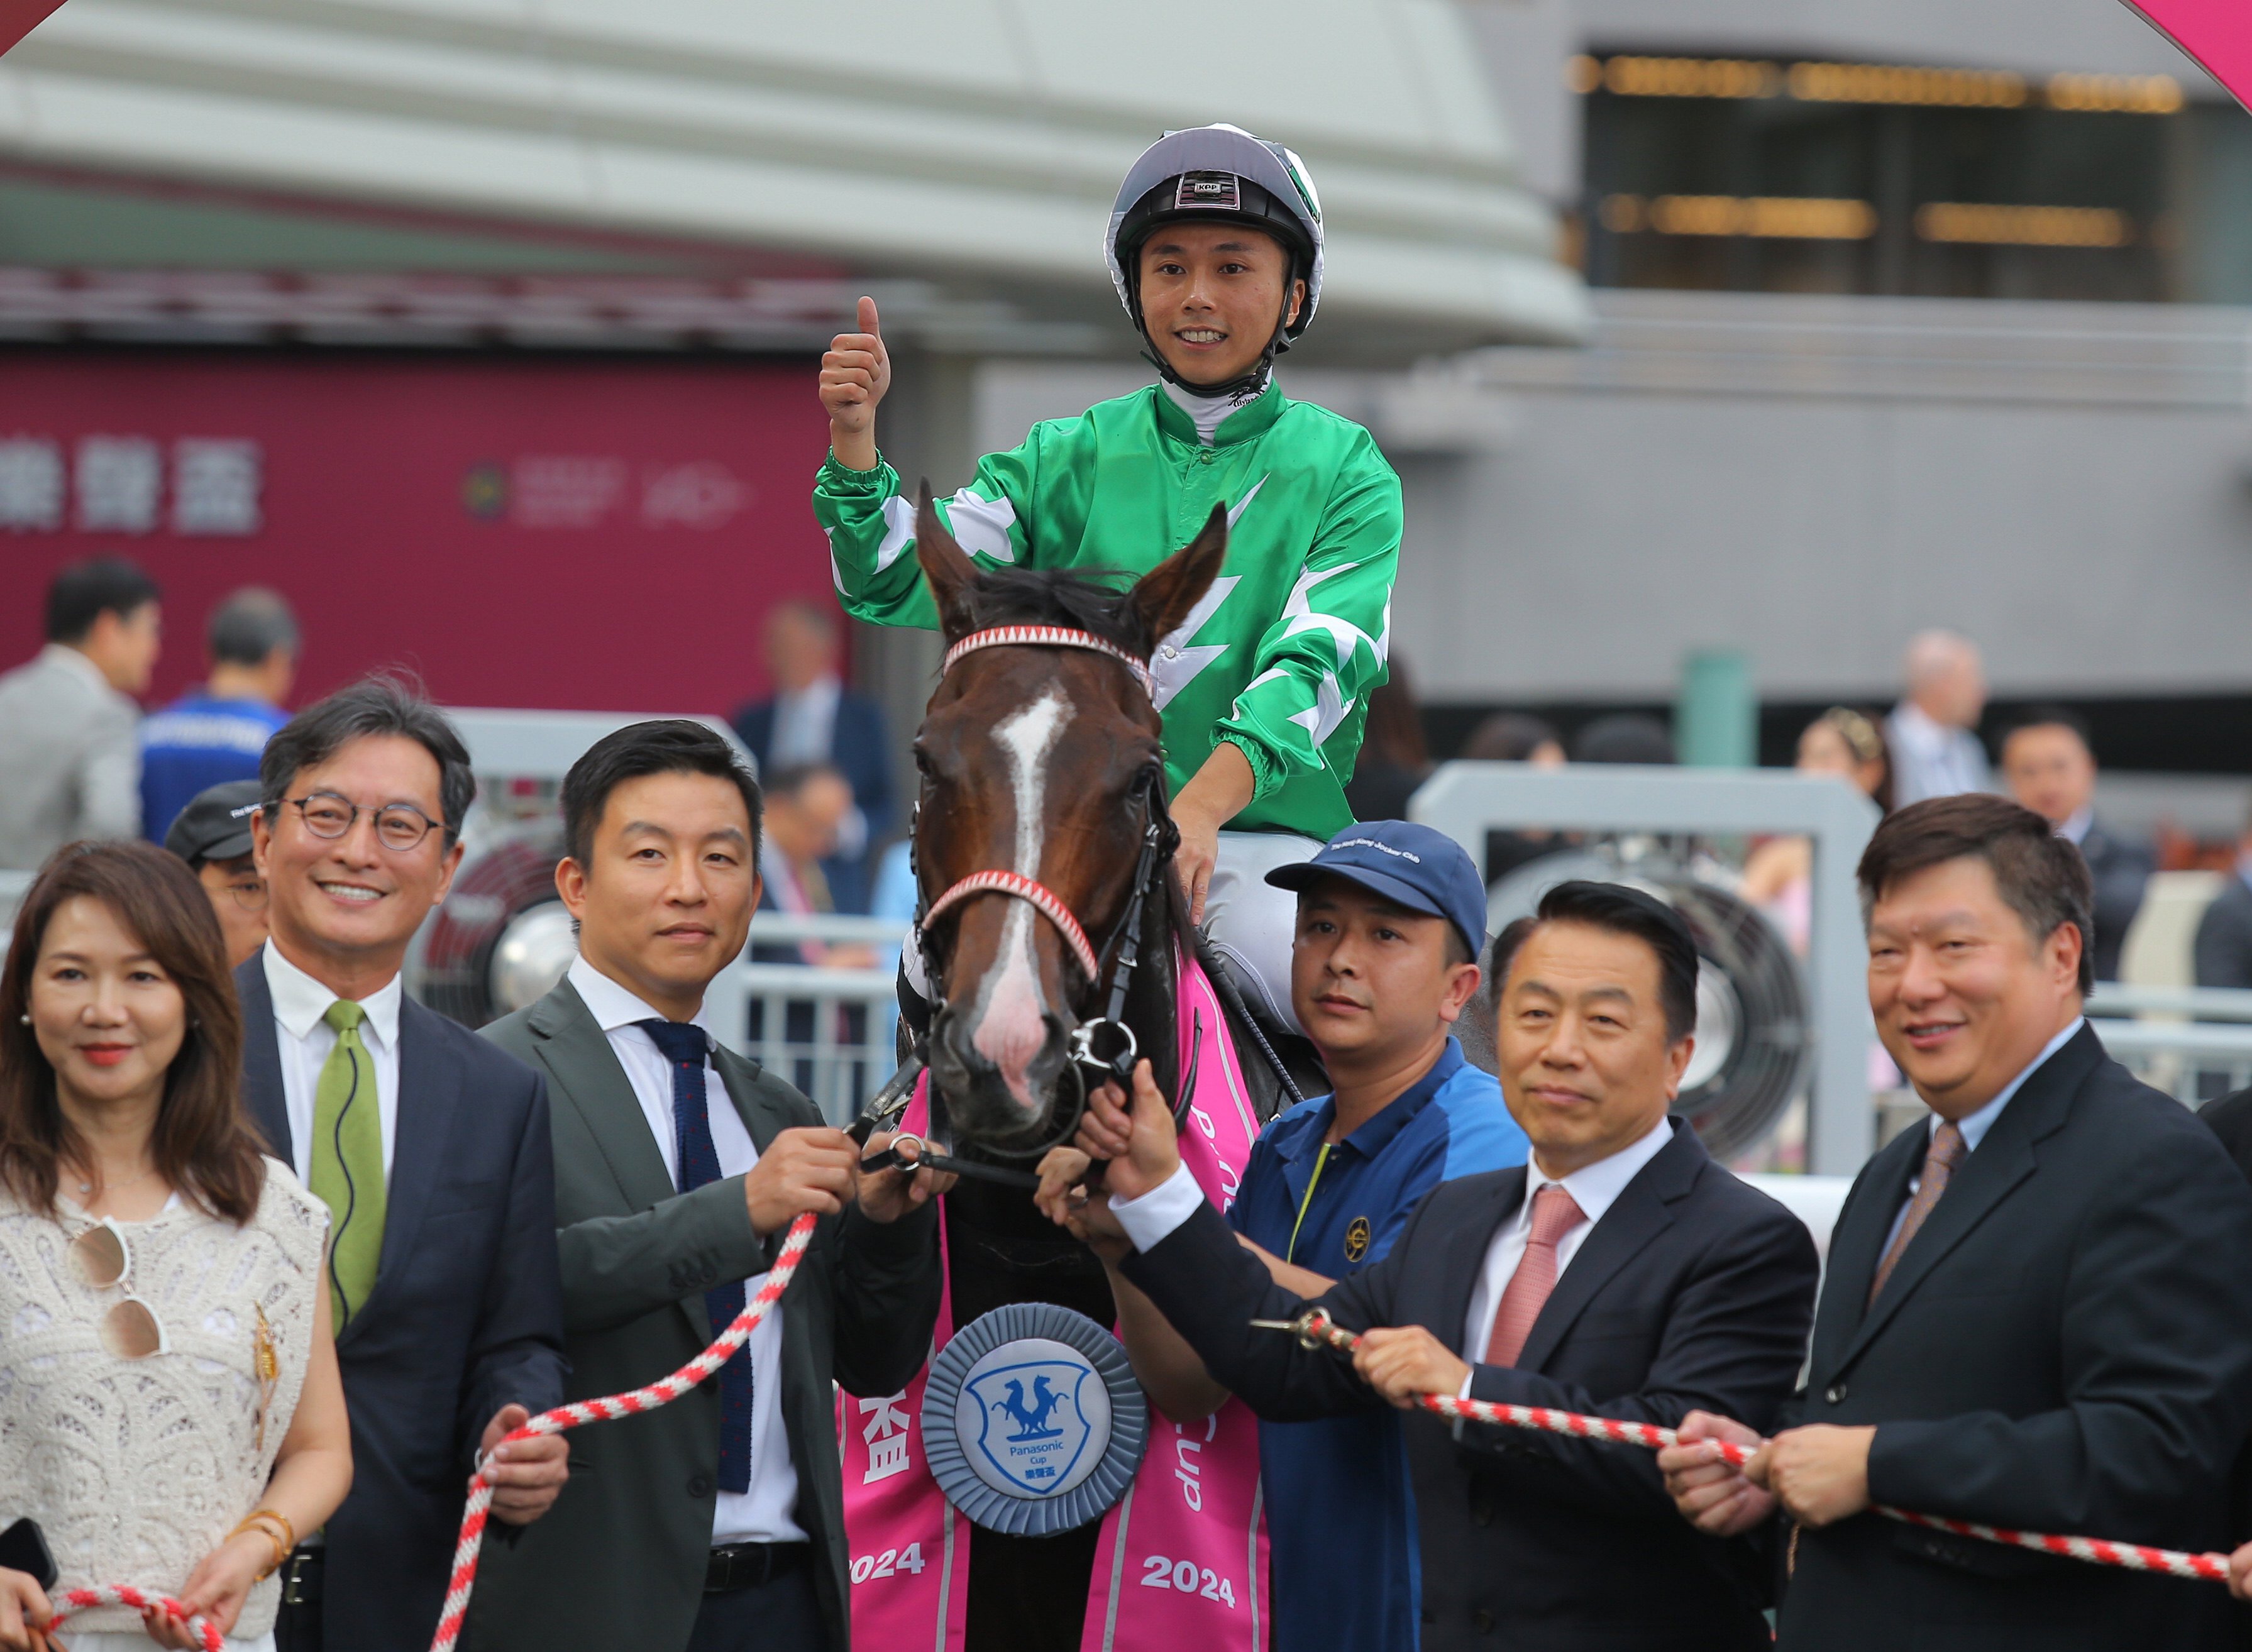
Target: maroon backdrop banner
x=524, y=531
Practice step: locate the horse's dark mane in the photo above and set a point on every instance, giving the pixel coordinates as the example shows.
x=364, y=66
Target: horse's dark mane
x=1051, y=596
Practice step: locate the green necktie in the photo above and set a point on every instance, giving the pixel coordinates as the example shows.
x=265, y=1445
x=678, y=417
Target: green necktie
x=348, y=1162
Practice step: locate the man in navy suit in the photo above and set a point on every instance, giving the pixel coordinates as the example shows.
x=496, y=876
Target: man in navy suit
x=1620, y=1272
x=813, y=720
x=431, y=1149
x=2036, y=1316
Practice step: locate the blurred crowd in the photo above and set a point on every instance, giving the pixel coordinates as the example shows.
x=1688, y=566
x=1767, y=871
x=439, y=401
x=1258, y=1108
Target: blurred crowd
x=82, y=760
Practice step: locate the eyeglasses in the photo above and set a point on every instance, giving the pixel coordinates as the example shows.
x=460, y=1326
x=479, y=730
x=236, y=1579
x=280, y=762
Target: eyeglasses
x=399, y=827
x=250, y=893
x=102, y=1258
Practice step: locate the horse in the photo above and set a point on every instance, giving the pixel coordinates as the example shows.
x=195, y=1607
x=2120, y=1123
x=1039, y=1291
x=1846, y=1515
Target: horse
x=1051, y=916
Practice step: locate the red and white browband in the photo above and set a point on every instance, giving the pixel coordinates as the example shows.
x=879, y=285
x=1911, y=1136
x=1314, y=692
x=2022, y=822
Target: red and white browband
x=1038, y=895
x=1048, y=636
x=1042, y=898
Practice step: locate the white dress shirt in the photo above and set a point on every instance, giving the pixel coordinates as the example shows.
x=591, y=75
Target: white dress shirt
x=767, y=1513
x=1932, y=760
x=1975, y=1127
x=1594, y=1188
x=804, y=725
x=301, y=1008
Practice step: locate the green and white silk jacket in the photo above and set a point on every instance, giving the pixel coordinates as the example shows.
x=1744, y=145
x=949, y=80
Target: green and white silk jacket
x=1280, y=656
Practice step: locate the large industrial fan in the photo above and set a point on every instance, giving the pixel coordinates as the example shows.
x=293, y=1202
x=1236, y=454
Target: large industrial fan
x=1754, y=1046
x=501, y=939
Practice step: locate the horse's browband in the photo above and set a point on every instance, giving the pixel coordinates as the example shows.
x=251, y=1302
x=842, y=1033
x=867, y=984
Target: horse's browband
x=1048, y=636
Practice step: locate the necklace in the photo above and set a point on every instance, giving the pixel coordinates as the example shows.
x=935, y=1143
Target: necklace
x=112, y=1187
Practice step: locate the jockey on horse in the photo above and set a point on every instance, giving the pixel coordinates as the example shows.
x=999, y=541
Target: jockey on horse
x=1215, y=246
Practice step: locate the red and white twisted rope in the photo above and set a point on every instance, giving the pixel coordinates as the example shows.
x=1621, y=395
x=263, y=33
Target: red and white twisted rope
x=566, y=1417
x=73, y=1601
x=1315, y=1327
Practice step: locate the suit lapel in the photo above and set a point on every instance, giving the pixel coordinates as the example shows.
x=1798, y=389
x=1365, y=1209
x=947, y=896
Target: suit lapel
x=2001, y=1162
x=584, y=1075
x=760, y=1116
x=1636, y=1218
x=429, y=1099
x=1860, y=1240
x=1465, y=1256
x=263, y=1097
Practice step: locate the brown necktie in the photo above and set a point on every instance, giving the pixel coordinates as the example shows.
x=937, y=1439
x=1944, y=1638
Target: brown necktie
x=1947, y=1151
x=1554, y=1214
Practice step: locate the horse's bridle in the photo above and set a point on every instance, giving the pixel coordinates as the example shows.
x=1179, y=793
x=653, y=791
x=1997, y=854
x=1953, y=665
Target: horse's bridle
x=1104, y=1048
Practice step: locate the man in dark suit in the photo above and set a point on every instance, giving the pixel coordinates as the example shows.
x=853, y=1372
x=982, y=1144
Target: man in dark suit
x=1621, y=1272
x=2036, y=1314
x=431, y=1149
x=2050, y=767
x=2224, y=934
x=814, y=719
x=715, y=1525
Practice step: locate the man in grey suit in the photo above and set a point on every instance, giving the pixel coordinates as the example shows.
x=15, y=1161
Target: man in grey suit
x=715, y=1525
x=69, y=763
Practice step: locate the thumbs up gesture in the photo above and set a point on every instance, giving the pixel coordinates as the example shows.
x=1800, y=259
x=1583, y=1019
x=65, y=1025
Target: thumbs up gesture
x=855, y=373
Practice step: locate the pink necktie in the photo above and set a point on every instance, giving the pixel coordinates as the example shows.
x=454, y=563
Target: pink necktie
x=1947, y=1150
x=1554, y=1215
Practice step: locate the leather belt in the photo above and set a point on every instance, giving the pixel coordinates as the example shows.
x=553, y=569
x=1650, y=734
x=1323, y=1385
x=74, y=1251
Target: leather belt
x=301, y=1575
x=739, y=1565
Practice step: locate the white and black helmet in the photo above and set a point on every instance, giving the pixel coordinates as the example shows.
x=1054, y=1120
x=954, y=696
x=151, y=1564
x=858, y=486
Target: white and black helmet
x=1215, y=171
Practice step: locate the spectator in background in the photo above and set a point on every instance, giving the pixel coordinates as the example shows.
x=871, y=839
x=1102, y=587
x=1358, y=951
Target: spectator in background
x=2049, y=766
x=807, y=806
x=215, y=733
x=1933, y=730
x=2224, y=934
x=814, y=719
x=1515, y=737
x=1625, y=737
x=1779, y=875
x=213, y=835
x=1394, y=759
x=69, y=764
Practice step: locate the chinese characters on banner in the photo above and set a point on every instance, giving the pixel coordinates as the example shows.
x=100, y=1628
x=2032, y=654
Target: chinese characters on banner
x=116, y=484
x=581, y=533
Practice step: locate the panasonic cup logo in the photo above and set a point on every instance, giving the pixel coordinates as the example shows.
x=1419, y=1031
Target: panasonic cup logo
x=1034, y=1419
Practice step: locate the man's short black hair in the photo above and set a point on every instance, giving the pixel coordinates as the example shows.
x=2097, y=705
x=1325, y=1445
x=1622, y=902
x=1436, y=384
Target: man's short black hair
x=789, y=782
x=2042, y=878
x=85, y=591
x=1623, y=911
x=2052, y=716
x=249, y=625
x=668, y=746
x=385, y=702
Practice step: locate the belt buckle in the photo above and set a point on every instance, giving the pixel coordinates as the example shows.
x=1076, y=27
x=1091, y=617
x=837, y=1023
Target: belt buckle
x=291, y=1596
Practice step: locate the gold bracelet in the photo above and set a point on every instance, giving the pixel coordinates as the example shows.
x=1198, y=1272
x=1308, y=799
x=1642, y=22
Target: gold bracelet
x=287, y=1534
x=256, y=1521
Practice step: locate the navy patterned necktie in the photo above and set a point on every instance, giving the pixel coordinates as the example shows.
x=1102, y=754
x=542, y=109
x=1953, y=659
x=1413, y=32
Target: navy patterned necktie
x=683, y=1048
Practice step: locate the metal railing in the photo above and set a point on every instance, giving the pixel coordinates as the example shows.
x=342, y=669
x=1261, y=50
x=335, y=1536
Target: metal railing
x=826, y=1029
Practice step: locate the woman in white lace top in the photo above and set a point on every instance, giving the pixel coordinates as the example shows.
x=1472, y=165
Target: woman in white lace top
x=170, y=1409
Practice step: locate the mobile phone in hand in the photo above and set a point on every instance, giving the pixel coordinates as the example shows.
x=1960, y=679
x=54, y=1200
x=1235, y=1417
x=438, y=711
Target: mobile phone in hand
x=23, y=1548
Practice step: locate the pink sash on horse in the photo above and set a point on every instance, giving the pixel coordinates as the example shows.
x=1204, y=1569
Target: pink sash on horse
x=1181, y=1563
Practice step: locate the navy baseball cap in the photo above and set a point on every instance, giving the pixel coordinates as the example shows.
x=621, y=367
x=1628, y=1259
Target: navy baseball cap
x=1418, y=868
x=216, y=823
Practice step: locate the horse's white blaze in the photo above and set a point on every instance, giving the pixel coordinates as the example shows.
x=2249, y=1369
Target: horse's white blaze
x=1010, y=1028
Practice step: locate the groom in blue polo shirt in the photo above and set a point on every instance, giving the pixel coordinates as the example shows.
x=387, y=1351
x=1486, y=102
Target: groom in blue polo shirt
x=1391, y=922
